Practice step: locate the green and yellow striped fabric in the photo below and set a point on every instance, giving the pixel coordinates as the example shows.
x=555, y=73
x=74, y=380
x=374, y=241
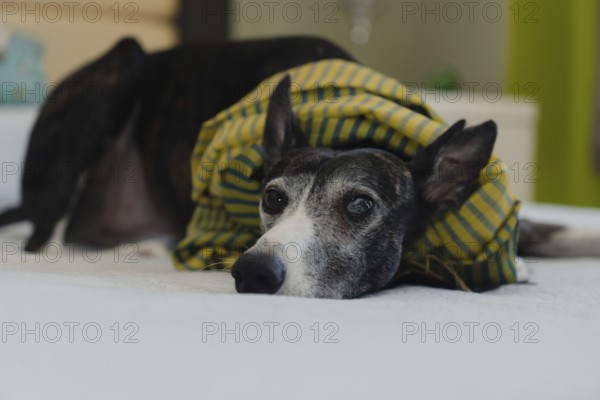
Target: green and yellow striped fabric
x=337, y=103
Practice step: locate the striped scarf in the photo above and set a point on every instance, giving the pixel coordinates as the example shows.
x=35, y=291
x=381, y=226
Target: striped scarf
x=340, y=103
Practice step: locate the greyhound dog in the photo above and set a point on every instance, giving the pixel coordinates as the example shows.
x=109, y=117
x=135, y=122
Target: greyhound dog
x=355, y=208
x=350, y=211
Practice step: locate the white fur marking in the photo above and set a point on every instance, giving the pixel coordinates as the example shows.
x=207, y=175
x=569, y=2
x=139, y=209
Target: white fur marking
x=290, y=239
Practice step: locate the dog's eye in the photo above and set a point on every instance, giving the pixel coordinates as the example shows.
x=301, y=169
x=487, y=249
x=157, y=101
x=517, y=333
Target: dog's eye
x=360, y=205
x=274, y=202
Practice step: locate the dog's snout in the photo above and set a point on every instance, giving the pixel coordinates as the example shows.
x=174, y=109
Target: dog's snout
x=258, y=274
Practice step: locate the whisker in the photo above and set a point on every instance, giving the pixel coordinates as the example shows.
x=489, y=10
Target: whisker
x=228, y=263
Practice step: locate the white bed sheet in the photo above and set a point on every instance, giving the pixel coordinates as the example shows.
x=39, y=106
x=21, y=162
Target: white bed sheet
x=371, y=351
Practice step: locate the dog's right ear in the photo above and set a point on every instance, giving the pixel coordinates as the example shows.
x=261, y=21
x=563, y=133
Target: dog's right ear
x=282, y=132
x=446, y=172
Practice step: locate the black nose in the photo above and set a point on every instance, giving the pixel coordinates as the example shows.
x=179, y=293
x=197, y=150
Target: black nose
x=258, y=274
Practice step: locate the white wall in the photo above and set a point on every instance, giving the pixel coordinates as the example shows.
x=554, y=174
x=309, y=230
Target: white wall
x=77, y=32
x=406, y=42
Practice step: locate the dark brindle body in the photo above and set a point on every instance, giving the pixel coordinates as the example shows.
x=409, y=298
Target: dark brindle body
x=133, y=118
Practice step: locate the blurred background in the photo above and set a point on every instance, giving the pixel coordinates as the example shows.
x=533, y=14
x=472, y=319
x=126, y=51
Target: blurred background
x=530, y=65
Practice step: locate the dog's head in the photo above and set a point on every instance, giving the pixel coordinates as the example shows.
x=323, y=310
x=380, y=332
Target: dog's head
x=336, y=222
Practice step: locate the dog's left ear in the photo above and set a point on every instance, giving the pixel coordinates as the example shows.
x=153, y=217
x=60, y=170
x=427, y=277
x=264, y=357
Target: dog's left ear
x=446, y=172
x=282, y=132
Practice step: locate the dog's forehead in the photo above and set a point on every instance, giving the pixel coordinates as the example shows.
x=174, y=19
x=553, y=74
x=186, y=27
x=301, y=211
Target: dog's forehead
x=343, y=170
x=304, y=161
x=315, y=161
x=366, y=166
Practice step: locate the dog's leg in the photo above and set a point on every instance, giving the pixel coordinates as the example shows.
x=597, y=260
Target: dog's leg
x=550, y=240
x=77, y=124
x=12, y=216
x=115, y=205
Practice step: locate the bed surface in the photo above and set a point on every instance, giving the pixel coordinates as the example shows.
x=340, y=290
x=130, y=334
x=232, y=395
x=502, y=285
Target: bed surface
x=123, y=324
x=533, y=341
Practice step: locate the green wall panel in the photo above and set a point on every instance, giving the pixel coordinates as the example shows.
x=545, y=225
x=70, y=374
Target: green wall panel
x=553, y=44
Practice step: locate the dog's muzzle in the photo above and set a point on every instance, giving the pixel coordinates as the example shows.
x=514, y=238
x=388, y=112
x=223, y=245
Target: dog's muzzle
x=258, y=273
